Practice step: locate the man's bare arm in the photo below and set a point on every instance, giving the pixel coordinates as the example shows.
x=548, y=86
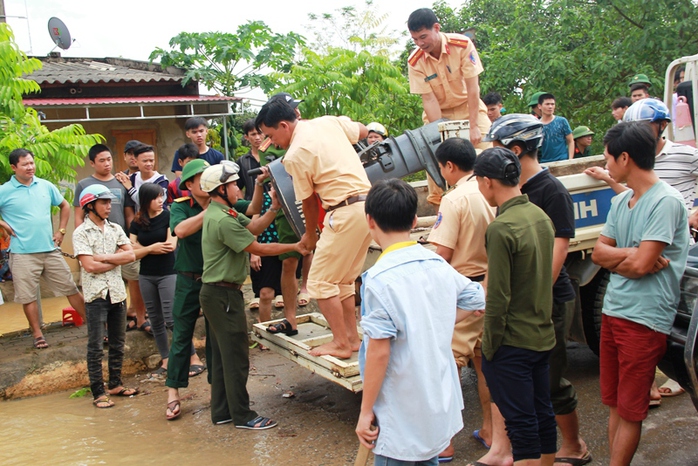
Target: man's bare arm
x=472, y=86
x=431, y=106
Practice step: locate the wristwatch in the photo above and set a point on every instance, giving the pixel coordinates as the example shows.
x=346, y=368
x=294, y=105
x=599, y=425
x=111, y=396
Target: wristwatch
x=61, y=231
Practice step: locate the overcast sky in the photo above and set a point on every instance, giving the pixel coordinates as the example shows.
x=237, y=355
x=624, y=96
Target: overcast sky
x=134, y=28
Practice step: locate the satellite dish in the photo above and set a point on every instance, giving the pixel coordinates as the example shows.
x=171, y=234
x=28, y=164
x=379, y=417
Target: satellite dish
x=59, y=33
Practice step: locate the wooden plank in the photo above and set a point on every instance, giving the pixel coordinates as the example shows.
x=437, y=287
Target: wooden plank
x=353, y=383
x=312, y=331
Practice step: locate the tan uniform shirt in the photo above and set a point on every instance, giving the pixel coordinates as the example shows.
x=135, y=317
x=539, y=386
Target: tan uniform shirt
x=446, y=76
x=461, y=224
x=321, y=159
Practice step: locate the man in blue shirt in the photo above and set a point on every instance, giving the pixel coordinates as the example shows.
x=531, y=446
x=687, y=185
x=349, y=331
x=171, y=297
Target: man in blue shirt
x=644, y=244
x=25, y=207
x=411, y=386
x=197, y=130
x=558, y=143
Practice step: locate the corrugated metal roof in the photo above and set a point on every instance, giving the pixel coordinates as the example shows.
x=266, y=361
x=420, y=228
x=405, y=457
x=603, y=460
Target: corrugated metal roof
x=102, y=70
x=180, y=99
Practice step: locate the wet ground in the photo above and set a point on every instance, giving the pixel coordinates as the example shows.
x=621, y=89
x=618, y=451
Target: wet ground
x=315, y=425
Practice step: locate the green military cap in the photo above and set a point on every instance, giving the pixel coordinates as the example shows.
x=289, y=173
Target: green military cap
x=534, y=98
x=192, y=169
x=581, y=131
x=640, y=79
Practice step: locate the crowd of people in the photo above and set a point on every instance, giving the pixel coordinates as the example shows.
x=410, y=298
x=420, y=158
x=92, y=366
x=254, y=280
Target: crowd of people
x=501, y=237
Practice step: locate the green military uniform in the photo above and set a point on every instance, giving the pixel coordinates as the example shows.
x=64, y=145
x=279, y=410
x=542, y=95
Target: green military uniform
x=283, y=227
x=189, y=264
x=226, y=266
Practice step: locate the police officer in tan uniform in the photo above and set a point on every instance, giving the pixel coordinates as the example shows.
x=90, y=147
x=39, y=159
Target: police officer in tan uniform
x=322, y=160
x=444, y=70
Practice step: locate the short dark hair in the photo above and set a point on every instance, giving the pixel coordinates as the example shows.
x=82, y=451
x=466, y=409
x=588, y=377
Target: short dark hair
x=141, y=149
x=636, y=138
x=187, y=151
x=422, y=18
x=274, y=112
x=248, y=126
x=392, y=204
x=147, y=193
x=638, y=86
x=458, y=151
x=492, y=98
x=97, y=149
x=195, y=122
x=677, y=73
x=17, y=154
x=621, y=102
x=544, y=97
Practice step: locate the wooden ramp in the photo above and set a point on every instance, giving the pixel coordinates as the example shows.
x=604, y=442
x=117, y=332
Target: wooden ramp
x=313, y=330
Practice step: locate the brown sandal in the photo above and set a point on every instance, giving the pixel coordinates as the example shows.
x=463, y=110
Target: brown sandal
x=175, y=408
x=103, y=402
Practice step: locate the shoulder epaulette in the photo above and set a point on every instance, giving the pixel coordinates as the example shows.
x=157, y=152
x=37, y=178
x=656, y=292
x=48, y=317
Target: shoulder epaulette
x=415, y=56
x=461, y=41
x=183, y=198
x=265, y=145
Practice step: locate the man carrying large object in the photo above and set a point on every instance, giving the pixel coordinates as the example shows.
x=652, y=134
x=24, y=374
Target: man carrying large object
x=321, y=160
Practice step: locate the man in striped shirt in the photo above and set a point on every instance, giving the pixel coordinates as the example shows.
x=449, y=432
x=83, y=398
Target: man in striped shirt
x=675, y=164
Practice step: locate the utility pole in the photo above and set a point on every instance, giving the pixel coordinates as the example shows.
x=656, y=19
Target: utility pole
x=2, y=11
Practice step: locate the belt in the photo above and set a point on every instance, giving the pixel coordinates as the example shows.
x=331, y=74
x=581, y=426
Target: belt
x=477, y=278
x=193, y=276
x=348, y=201
x=234, y=286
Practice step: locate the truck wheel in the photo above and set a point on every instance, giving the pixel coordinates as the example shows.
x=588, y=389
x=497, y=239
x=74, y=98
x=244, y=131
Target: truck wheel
x=592, y=304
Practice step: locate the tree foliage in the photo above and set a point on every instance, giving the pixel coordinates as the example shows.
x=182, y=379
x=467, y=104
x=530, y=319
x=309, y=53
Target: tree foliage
x=355, y=30
x=362, y=85
x=57, y=152
x=230, y=63
x=583, y=51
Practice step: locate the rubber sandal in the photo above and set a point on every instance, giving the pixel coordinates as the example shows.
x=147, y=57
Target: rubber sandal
x=131, y=324
x=476, y=436
x=146, y=327
x=282, y=327
x=101, y=400
x=655, y=403
x=258, y=423
x=303, y=299
x=586, y=459
x=175, y=408
x=126, y=392
x=196, y=369
x=279, y=302
x=672, y=388
x=160, y=373
x=445, y=459
x=254, y=303
x=40, y=342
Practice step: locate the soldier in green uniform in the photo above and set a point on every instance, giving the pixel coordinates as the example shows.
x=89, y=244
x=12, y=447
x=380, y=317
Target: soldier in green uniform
x=225, y=242
x=186, y=221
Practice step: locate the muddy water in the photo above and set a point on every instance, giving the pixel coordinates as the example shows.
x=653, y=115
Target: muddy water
x=315, y=425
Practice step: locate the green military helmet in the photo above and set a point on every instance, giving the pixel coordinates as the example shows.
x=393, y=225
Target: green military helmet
x=535, y=97
x=192, y=169
x=640, y=79
x=581, y=131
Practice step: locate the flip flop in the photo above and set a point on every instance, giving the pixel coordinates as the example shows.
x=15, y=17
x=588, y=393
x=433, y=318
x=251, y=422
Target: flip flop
x=445, y=459
x=258, y=423
x=655, y=403
x=476, y=436
x=40, y=342
x=126, y=392
x=103, y=402
x=131, y=324
x=175, y=408
x=303, y=299
x=254, y=303
x=586, y=459
x=671, y=388
x=279, y=302
x=160, y=373
x=196, y=369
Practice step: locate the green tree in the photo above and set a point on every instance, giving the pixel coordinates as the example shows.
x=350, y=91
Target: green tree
x=361, y=85
x=584, y=52
x=353, y=29
x=229, y=63
x=57, y=152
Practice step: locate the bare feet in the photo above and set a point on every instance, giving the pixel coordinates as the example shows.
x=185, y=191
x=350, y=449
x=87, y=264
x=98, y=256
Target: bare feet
x=331, y=349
